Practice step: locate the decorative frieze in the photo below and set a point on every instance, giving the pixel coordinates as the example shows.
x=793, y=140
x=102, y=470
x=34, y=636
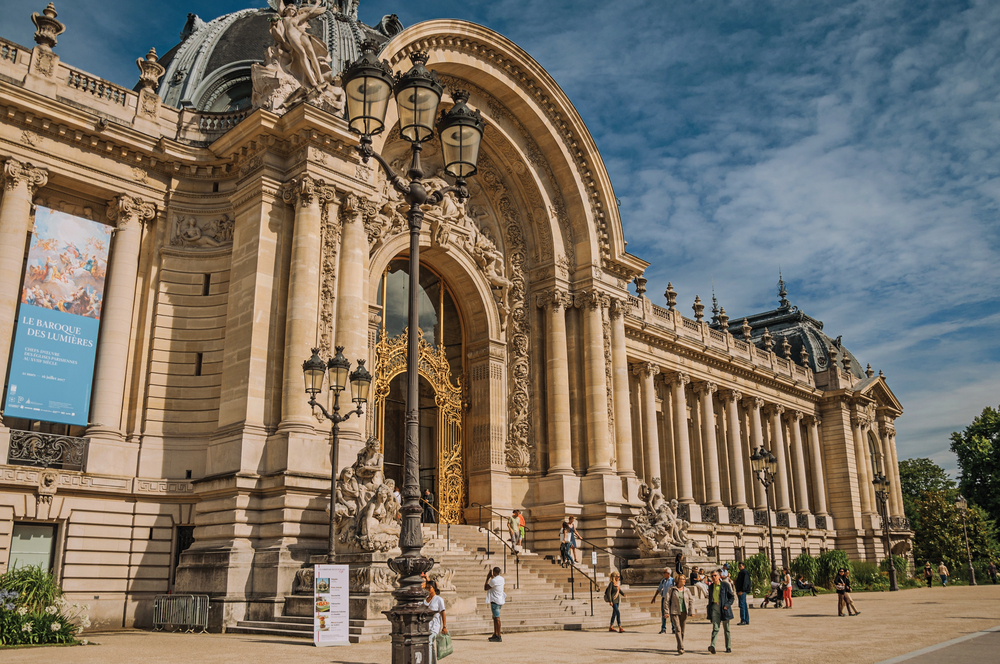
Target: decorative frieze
x=196, y=233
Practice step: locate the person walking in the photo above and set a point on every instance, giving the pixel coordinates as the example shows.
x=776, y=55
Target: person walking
x=662, y=591
x=521, y=526
x=572, y=538
x=786, y=587
x=842, y=582
x=428, y=505
x=514, y=528
x=496, y=598
x=720, y=610
x=928, y=573
x=564, y=544
x=613, y=594
x=439, y=623
x=943, y=573
x=743, y=589
x=679, y=563
x=992, y=571
x=680, y=603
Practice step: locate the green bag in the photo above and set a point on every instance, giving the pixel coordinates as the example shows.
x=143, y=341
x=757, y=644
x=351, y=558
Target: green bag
x=443, y=646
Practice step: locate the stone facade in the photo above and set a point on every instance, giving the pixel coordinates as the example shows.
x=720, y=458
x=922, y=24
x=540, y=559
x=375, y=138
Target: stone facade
x=244, y=238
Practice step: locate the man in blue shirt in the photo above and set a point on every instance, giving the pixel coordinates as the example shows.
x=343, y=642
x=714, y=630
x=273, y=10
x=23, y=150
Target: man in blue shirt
x=663, y=591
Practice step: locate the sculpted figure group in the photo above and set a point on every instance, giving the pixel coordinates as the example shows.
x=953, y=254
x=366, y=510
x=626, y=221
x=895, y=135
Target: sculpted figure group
x=658, y=526
x=365, y=511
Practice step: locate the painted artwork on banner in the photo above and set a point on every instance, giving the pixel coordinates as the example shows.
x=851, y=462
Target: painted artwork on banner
x=331, y=615
x=52, y=362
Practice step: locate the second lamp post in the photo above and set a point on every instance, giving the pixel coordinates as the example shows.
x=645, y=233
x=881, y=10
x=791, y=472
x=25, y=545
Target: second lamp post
x=882, y=494
x=368, y=85
x=765, y=467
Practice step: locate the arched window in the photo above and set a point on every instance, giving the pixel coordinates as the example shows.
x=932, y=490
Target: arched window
x=876, y=454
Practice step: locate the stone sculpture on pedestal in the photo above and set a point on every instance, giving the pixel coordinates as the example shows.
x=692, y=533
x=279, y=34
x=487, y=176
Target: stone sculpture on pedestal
x=364, y=509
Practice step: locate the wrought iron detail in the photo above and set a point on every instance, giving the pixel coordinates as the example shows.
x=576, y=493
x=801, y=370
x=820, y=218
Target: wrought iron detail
x=47, y=450
x=737, y=515
x=710, y=514
x=782, y=519
x=760, y=518
x=684, y=512
x=801, y=520
x=432, y=363
x=821, y=522
x=899, y=523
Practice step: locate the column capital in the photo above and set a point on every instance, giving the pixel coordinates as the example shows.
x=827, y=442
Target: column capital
x=863, y=420
x=887, y=428
x=753, y=403
x=645, y=369
x=774, y=409
x=305, y=189
x=17, y=172
x=795, y=415
x=677, y=378
x=593, y=298
x=127, y=210
x=618, y=307
x=704, y=387
x=730, y=395
x=813, y=420
x=555, y=297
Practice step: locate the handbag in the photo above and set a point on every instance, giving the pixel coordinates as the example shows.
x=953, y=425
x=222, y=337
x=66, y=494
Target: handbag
x=443, y=645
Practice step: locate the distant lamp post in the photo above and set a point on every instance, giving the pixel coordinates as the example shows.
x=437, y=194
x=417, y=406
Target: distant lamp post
x=314, y=372
x=765, y=467
x=881, y=483
x=963, y=506
x=368, y=83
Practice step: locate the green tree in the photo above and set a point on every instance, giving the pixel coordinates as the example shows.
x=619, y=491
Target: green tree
x=917, y=477
x=940, y=535
x=978, y=452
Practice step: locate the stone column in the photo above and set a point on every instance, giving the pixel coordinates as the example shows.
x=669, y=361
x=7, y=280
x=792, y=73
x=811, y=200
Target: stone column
x=886, y=432
x=651, y=439
x=682, y=452
x=895, y=468
x=20, y=182
x=863, y=459
x=557, y=389
x=709, y=442
x=781, y=493
x=104, y=431
x=818, y=478
x=623, y=410
x=598, y=445
x=351, y=330
x=305, y=194
x=753, y=406
x=737, y=484
x=799, y=464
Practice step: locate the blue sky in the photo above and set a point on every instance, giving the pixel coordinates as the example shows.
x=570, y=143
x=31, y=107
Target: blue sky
x=855, y=144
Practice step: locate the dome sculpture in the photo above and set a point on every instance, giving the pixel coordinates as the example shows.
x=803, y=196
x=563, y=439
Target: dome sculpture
x=210, y=69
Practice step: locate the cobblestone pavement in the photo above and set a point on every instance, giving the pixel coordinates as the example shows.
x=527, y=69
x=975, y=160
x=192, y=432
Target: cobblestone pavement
x=890, y=625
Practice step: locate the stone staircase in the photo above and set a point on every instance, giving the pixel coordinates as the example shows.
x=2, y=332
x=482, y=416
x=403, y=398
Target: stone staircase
x=540, y=594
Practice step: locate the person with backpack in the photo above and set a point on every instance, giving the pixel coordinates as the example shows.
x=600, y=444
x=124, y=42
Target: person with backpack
x=614, y=594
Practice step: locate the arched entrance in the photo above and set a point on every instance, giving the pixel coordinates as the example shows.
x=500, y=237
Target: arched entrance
x=440, y=365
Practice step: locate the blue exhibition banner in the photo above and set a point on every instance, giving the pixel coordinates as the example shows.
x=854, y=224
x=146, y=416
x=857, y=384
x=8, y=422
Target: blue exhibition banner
x=52, y=361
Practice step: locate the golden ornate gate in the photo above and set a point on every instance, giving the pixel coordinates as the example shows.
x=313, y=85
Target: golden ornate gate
x=390, y=361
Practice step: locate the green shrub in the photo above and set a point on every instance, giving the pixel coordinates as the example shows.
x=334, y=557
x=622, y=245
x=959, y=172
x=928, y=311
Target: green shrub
x=759, y=567
x=828, y=563
x=36, y=588
x=865, y=575
x=807, y=566
x=901, y=563
x=33, y=610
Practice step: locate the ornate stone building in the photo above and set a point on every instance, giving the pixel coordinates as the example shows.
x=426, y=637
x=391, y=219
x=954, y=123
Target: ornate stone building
x=246, y=231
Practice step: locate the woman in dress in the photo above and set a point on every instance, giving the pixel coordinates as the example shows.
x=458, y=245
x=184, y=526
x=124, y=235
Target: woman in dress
x=439, y=623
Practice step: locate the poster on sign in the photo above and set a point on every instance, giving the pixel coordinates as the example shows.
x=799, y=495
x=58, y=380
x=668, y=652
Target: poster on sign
x=331, y=619
x=52, y=362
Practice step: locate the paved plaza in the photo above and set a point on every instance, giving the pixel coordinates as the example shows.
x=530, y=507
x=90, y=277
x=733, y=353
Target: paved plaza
x=890, y=626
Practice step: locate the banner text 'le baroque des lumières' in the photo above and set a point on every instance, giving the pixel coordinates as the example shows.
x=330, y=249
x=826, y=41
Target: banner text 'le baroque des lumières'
x=52, y=362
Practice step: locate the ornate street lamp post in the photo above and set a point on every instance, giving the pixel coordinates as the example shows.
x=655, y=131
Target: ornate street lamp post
x=765, y=467
x=368, y=84
x=314, y=373
x=881, y=483
x=963, y=506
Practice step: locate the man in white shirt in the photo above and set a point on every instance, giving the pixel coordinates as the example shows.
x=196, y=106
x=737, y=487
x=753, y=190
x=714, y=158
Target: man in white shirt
x=495, y=597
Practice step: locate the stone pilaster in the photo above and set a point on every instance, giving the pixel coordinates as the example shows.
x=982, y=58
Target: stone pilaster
x=557, y=389
x=887, y=433
x=682, y=453
x=753, y=406
x=108, y=452
x=623, y=411
x=782, y=498
x=710, y=444
x=598, y=445
x=798, y=463
x=737, y=483
x=862, y=455
x=646, y=371
x=819, y=481
x=20, y=182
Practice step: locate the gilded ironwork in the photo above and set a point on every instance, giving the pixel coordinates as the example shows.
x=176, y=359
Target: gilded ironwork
x=390, y=361
x=47, y=450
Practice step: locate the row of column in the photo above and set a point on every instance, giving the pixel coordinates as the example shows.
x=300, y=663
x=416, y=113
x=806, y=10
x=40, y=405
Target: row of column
x=875, y=447
x=723, y=464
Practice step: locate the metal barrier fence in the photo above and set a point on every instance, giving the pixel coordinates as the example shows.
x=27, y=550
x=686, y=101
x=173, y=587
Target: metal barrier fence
x=187, y=612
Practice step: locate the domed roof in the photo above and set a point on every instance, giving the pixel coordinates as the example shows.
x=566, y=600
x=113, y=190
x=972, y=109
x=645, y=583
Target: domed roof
x=210, y=68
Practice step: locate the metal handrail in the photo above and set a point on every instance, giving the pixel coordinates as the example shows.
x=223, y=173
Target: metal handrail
x=492, y=511
x=513, y=551
x=620, y=561
x=573, y=565
x=437, y=525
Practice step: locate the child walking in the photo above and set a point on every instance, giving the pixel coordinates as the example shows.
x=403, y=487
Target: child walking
x=613, y=595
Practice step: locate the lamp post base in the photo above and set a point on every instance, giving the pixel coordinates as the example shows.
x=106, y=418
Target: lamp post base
x=411, y=633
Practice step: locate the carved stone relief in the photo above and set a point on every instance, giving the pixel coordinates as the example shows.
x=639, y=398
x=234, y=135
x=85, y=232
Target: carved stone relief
x=190, y=231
